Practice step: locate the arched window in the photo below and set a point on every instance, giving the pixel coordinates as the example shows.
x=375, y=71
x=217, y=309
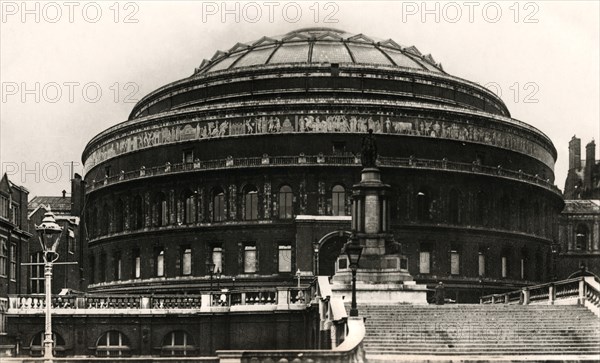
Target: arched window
x=218, y=205
x=189, y=207
x=138, y=212
x=453, y=206
x=285, y=202
x=119, y=216
x=177, y=343
x=36, y=348
x=338, y=201
x=423, y=205
x=112, y=344
x=161, y=215
x=105, y=220
x=581, y=237
x=250, y=203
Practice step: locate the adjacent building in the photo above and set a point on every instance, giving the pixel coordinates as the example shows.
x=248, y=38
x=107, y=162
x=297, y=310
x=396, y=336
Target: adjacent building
x=579, y=234
x=14, y=239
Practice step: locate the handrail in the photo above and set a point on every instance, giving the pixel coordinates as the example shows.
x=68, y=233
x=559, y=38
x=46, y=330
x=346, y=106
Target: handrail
x=584, y=290
x=321, y=160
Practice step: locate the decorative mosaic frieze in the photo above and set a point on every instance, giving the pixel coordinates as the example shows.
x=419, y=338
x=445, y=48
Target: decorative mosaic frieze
x=196, y=129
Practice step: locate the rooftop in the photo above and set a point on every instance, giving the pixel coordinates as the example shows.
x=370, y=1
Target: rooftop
x=319, y=45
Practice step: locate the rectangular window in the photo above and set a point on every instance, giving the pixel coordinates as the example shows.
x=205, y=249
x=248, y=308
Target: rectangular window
x=4, y=203
x=188, y=156
x=164, y=214
x=285, y=258
x=186, y=261
x=36, y=277
x=71, y=241
x=250, y=259
x=136, y=263
x=481, y=264
x=118, y=265
x=13, y=261
x=217, y=259
x=160, y=262
x=3, y=257
x=15, y=216
x=424, y=262
x=504, y=266
x=454, y=262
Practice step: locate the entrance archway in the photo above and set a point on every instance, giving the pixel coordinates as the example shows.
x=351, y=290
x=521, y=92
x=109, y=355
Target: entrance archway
x=330, y=247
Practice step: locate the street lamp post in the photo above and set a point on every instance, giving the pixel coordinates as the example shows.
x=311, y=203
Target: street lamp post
x=49, y=234
x=218, y=279
x=353, y=251
x=210, y=267
x=555, y=248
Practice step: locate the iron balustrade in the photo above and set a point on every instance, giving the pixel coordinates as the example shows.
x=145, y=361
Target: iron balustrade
x=324, y=160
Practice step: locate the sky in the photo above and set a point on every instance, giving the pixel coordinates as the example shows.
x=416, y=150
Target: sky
x=69, y=70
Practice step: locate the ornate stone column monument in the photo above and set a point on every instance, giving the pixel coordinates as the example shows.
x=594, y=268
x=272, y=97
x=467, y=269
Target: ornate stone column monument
x=382, y=275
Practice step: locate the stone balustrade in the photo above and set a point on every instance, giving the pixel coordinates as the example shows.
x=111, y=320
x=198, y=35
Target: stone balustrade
x=217, y=301
x=580, y=290
x=347, y=335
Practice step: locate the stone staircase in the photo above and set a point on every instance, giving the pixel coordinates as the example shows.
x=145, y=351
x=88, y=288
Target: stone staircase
x=480, y=330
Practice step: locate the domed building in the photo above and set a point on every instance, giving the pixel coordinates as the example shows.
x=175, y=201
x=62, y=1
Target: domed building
x=241, y=175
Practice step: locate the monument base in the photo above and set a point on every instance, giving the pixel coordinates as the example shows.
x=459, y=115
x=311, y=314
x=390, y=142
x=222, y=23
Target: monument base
x=382, y=293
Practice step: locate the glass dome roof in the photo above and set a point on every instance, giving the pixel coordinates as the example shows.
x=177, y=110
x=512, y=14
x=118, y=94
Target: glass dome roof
x=319, y=45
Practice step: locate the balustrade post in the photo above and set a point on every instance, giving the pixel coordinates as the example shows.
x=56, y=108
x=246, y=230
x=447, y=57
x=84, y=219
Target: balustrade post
x=581, y=297
x=506, y=298
x=526, y=295
x=551, y=294
x=145, y=302
x=493, y=299
x=283, y=298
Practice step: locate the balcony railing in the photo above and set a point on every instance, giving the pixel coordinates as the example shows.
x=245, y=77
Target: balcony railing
x=282, y=298
x=580, y=290
x=321, y=160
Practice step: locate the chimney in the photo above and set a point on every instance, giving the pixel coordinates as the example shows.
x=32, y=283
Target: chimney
x=590, y=161
x=575, y=153
x=77, y=193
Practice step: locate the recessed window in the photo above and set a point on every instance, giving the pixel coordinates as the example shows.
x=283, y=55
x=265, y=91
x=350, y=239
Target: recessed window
x=250, y=259
x=454, y=262
x=188, y=156
x=136, y=264
x=423, y=205
x=178, y=343
x=218, y=205
x=37, y=345
x=504, y=266
x=251, y=203
x=189, y=208
x=112, y=344
x=159, y=259
x=217, y=258
x=581, y=237
x=285, y=258
x=186, y=261
x=285, y=202
x=481, y=263
x=425, y=259
x=3, y=257
x=338, y=201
